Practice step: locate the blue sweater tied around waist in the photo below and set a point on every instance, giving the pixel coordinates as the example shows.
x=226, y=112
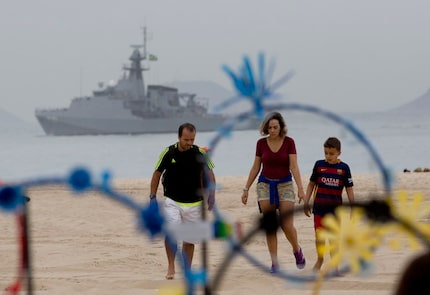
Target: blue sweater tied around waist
x=273, y=187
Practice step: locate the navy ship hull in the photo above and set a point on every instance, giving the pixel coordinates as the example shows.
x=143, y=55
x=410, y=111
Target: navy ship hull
x=67, y=126
x=127, y=107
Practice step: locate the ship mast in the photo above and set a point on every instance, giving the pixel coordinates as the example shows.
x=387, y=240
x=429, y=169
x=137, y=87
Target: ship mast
x=144, y=42
x=136, y=68
x=144, y=58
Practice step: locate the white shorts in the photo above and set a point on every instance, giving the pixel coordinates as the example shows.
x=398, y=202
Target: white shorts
x=177, y=212
x=180, y=213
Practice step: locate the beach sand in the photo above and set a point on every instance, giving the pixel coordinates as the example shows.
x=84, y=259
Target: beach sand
x=90, y=244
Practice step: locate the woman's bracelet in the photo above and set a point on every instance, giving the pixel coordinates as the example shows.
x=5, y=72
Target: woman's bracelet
x=245, y=189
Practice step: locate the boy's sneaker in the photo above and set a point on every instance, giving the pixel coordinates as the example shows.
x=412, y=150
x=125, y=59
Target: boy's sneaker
x=274, y=268
x=300, y=259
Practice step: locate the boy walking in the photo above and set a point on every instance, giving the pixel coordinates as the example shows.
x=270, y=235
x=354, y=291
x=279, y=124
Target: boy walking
x=329, y=177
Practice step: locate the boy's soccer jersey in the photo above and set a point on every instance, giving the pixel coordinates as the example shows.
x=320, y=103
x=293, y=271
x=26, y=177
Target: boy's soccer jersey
x=330, y=180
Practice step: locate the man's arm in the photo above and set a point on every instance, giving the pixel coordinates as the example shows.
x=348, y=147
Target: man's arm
x=212, y=186
x=155, y=180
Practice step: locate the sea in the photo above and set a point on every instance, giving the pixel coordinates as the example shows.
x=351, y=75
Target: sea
x=370, y=142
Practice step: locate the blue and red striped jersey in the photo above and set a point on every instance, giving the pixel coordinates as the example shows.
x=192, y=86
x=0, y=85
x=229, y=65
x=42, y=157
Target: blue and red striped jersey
x=330, y=179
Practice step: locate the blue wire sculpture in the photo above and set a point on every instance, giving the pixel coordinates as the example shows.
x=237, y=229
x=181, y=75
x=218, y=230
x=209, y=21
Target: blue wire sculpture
x=257, y=89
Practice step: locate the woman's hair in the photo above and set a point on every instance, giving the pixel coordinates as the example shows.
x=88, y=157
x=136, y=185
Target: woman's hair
x=264, y=127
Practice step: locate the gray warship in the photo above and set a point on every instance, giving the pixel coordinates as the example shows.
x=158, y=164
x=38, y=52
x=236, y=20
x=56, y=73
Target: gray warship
x=128, y=108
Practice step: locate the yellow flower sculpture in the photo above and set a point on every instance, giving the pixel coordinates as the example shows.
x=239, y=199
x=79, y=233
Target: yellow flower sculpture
x=350, y=238
x=415, y=213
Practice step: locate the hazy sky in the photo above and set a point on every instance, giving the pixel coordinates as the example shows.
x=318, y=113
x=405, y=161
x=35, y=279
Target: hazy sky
x=348, y=55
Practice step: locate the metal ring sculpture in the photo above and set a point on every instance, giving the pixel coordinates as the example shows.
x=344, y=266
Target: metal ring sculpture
x=151, y=220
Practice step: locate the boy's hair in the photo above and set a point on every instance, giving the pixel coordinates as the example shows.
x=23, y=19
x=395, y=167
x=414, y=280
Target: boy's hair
x=264, y=128
x=332, y=142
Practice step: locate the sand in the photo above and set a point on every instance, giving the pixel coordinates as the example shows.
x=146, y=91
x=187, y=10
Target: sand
x=90, y=244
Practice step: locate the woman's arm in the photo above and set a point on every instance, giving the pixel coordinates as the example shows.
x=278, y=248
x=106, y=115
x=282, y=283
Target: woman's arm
x=294, y=168
x=255, y=169
x=306, y=200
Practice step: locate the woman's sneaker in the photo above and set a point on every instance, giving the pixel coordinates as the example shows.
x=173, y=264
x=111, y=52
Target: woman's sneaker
x=274, y=268
x=300, y=259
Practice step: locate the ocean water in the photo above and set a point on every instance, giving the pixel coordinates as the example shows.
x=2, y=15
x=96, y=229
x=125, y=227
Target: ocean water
x=400, y=141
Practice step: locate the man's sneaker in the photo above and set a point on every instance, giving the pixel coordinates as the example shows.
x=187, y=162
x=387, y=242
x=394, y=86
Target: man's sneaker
x=274, y=268
x=300, y=259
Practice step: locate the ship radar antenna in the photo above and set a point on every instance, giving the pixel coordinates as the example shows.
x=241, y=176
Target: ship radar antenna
x=136, y=46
